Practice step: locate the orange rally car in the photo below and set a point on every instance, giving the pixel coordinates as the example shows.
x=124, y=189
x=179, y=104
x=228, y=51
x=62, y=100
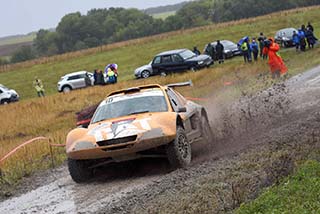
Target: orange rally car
x=145, y=121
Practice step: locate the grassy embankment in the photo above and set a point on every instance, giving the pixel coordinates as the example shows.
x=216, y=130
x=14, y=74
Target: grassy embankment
x=295, y=195
x=53, y=116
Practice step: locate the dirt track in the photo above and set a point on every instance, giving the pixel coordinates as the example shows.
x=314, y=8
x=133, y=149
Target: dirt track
x=285, y=117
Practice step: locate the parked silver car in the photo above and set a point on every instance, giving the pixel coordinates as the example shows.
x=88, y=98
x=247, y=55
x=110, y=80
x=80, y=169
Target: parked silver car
x=75, y=80
x=7, y=95
x=144, y=71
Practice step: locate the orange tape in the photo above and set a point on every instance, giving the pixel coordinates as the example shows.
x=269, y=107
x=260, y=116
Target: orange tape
x=22, y=145
x=26, y=143
x=227, y=83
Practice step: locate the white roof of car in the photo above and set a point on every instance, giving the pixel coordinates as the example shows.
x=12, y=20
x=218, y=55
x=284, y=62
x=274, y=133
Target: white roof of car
x=75, y=73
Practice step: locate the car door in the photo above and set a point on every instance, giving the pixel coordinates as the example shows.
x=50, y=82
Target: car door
x=178, y=63
x=156, y=64
x=77, y=81
x=166, y=63
x=190, y=118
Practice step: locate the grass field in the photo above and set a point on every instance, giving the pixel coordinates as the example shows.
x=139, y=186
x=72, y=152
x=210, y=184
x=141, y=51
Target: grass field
x=163, y=15
x=11, y=40
x=53, y=116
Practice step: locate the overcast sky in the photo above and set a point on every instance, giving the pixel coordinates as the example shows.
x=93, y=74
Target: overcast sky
x=25, y=16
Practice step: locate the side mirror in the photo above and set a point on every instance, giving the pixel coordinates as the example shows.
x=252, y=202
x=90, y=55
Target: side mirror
x=182, y=109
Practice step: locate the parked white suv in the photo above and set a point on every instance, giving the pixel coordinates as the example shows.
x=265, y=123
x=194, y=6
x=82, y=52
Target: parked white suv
x=7, y=95
x=75, y=80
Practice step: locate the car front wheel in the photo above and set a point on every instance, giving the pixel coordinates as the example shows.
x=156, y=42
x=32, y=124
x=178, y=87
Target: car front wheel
x=66, y=89
x=145, y=74
x=179, y=151
x=79, y=170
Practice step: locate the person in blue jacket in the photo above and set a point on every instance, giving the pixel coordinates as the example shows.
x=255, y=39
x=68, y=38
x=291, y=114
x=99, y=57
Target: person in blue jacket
x=302, y=38
x=311, y=39
x=296, y=40
x=255, y=49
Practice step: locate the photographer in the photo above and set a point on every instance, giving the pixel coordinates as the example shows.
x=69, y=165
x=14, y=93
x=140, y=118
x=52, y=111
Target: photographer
x=277, y=66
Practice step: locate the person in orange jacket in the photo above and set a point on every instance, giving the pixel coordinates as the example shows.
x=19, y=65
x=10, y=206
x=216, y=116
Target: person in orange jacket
x=277, y=66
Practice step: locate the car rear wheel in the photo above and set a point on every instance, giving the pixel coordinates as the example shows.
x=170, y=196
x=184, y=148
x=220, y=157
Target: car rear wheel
x=206, y=131
x=5, y=101
x=163, y=74
x=66, y=89
x=179, y=151
x=79, y=170
x=145, y=74
x=193, y=69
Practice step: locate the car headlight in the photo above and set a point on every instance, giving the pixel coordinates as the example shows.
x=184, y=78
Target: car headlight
x=200, y=62
x=227, y=51
x=137, y=71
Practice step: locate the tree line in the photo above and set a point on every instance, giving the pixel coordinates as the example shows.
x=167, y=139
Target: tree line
x=104, y=26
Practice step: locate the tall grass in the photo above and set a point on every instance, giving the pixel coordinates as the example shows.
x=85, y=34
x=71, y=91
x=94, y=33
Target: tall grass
x=54, y=115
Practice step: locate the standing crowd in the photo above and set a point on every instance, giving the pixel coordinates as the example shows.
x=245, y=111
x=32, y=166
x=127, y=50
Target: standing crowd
x=267, y=49
x=109, y=76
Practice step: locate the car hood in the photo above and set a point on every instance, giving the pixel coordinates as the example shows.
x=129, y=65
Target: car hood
x=146, y=125
x=13, y=92
x=144, y=67
x=198, y=58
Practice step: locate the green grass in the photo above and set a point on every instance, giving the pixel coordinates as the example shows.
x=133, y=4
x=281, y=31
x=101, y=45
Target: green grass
x=297, y=194
x=164, y=15
x=17, y=39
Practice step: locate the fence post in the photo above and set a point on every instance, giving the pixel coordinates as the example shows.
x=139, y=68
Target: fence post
x=51, y=152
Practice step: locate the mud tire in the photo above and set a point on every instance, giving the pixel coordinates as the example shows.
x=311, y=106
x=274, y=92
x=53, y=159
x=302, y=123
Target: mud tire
x=206, y=131
x=79, y=170
x=179, y=151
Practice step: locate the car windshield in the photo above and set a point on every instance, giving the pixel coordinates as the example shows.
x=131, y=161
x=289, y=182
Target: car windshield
x=286, y=32
x=187, y=54
x=152, y=100
x=228, y=44
x=4, y=87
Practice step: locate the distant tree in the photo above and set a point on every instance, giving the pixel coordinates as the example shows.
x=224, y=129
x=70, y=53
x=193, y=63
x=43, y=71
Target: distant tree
x=23, y=54
x=4, y=61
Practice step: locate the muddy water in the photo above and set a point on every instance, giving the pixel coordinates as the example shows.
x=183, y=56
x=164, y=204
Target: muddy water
x=237, y=126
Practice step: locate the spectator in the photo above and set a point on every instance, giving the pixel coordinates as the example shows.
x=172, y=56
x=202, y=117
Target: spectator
x=37, y=84
x=220, y=52
x=196, y=51
x=111, y=76
x=210, y=51
x=311, y=39
x=244, y=48
x=261, y=39
x=95, y=73
x=100, y=78
x=310, y=27
x=277, y=66
x=296, y=40
x=255, y=49
x=302, y=38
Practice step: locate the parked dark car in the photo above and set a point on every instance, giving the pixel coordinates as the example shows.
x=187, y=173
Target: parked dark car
x=284, y=37
x=230, y=49
x=176, y=61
